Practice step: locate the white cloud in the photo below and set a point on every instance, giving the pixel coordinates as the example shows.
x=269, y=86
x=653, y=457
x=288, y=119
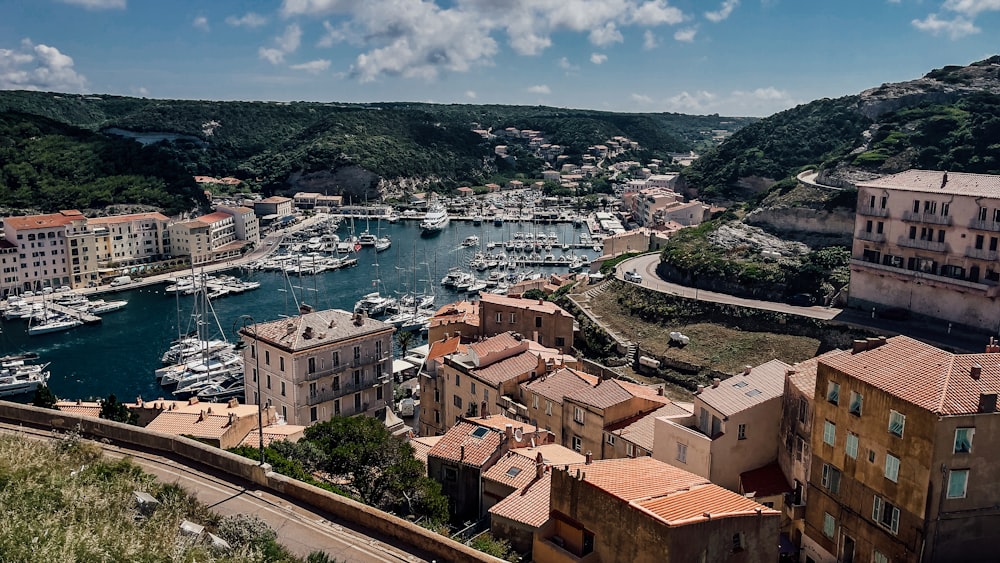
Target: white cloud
x=568, y=66
x=723, y=12
x=649, y=41
x=685, y=35
x=471, y=94
x=422, y=38
x=97, y=4
x=201, y=22
x=313, y=67
x=641, y=99
x=140, y=91
x=249, y=19
x=955, y=28
x=972, y=8
x=39, y=67
x=758, y=102
x=287, y=43
x=540, y=89
x=598, y=58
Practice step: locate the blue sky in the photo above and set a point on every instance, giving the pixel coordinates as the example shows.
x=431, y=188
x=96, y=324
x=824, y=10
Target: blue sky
x=733, y=57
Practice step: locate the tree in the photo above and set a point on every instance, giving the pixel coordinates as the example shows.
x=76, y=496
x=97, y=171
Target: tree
x=44, y=398
x=111, y=409
x=404, y=338
x=379, y=466
x=534, y=294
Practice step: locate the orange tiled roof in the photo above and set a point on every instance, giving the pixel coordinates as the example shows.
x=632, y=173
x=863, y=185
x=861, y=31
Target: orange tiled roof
x=494, y=344
x=275, y=199
x=422, y=445
x=214, y=217
x=29, y=222
x=528, y=505
x=461, y=311
x=804, y=378
x=741, y=392
x=923, y=375
x=610, y=392
x=700, y=504
x=274, y=433
x=959, y=183
x=506, y=369
x=512, y=470
x=444, y=347
x=639, y=429
x=552, y=454
x=537, y=305
x=461, y=445
x=500, y=422
x=639, y=478
x=191, y=424
x=560, y=383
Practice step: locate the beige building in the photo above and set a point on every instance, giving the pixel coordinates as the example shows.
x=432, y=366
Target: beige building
x=8, y=268
x=433, y=388
x=541, y=321
x=588, y=412
x=318, y=365
x=275, y=205
x=207, y=239
x=904, y=444
x=929, y=242
x=42, y=249
x=734, y=427
x=644, y=510
x=245, y=223
x=454, y=319
x=543, y=397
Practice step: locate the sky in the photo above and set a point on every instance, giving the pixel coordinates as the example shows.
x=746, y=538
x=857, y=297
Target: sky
x=731, y=57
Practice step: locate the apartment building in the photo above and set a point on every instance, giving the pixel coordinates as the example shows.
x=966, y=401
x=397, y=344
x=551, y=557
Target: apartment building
x=644, y=510
x=8, y=268
x=929, y=242
x=41, y=244
x=207, y=239
x=138, y=238
x=245, y=223
x=319, y=364
x=904, y=455
x=432, y=386
x=588, y=412
x=273, y=207
x=734, y=427
x=544, y=396
x=541, y=321
x=460, y=318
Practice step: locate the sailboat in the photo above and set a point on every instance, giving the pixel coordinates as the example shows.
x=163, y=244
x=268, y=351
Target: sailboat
x=375, y=304
x=51, y=323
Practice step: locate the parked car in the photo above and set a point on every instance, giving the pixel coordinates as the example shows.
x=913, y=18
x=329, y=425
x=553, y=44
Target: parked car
x=633, y=276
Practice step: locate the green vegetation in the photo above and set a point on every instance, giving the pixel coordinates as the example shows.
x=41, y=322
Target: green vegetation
x=50, y=166
x=499, y=548
x=359, y=458
x=111, y=409
x=64, y=501
x=609, y=265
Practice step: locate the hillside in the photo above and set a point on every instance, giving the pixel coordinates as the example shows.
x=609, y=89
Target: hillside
x=947, y=119
x=46, y=165
x=357, y=148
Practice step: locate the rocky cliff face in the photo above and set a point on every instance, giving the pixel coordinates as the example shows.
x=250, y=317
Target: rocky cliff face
x=352, y=182
x=941, y=85
x=835, y=226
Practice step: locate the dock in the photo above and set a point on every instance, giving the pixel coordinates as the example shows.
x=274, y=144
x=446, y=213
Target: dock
x=87, y=318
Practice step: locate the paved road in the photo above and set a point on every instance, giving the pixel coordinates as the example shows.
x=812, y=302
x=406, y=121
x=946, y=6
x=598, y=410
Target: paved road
x=938, y=333
x=301, y=529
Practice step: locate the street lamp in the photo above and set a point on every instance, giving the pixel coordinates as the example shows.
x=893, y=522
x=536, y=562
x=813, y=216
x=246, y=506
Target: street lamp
x=248, y=322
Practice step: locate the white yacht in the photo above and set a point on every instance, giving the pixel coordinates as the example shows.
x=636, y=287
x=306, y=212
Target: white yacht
x=435, y=220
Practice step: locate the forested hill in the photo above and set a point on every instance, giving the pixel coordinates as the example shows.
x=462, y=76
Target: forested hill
x=46, y=165
x=947, y=120
x=271, y=143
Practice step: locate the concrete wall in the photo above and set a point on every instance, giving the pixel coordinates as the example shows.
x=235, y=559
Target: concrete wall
x=404, y=532
x=669, y=431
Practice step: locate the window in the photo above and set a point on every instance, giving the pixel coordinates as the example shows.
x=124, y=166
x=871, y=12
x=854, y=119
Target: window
x=944, y=209
x=982, y=213
x=473, y=387
x=629, y=449
x=892, y=468
x=897, y=421
x=803, y=409
x=868, y=226
x=916, y=206
x=884, y=202
x=737, y=542
x=378, y=393
x=457, y=401
x=880, y=228
x=851, y=446
x=871, y=456
x=829, y=525
x=996, y=215
x=611, y=439
x=800, y=445
x=499, y=318
x=548, y=408
x=831, y=478
x=282, y=388
x=913, y=233
x=513, y=318
x=336, y=359
x=538, y=322
x=268, y=381
x=979, y=242
x=940, y=235
x=682, y=452
x=577, y=443
x=450, y=474
x=856, y=402
x=741, y=432
x=829, y=433
x=534, y=401
x=958, y=480
x=930, y=207
x=458, y=380
x=313, y=415
x=833, y=392
x=886, y=514
x=560, y=342
x=267, y=357
x=878, y=556
x=963, y=440
x=578, y=414
x=312, y=365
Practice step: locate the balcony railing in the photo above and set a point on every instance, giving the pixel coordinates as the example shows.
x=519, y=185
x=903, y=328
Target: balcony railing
x=332, y=370
x=992, y=226
x=981, y=254
x=367, y=359
x=873, y=211
x=342, y=390
x=923, y=244
x=873, y=237
x=927, y=218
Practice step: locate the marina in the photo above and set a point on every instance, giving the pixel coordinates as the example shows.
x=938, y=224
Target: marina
x=120, y=354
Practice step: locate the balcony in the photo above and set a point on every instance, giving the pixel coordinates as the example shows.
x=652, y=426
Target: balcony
x=923, y=244
x=873, y=211
x=991, y=226
x=981, y=254
x=368, y=359
x=313, y=376
x=794, y=506
x=932, y=218
x=324, y=395
x=988, y=289
x=872, y=237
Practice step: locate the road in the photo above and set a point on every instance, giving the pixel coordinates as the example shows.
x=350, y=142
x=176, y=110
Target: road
x=937, y=333
x=301, y=529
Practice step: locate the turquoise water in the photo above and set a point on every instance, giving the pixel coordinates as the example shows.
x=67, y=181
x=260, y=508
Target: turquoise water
x=119, y=355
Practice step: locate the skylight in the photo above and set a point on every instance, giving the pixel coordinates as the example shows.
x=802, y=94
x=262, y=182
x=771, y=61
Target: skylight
x=513, y=471
x=753, y=392
x=480, y=432
x=740, y=384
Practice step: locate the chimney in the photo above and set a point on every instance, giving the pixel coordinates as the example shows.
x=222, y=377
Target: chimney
x=976, y=371
x=589, y=457
x=659, y=391
x=577, y=473
x=307, y=333
x=233, y=403
x=790, y=372
x=859, y=346
x=539, y=466
x=461, y=453
x=305, y=309
x=509, y=431
x=201, y=416
x=944, y=179
x=700, y=389
x=485, y=414
x=987, y=402
x=715, y=382
x=541, y=301
x=746, y=370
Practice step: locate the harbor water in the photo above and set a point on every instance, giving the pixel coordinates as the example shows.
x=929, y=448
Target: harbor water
x=119, y=354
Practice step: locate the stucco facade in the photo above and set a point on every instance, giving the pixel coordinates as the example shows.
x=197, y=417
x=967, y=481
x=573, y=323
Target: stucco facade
x=543, y=322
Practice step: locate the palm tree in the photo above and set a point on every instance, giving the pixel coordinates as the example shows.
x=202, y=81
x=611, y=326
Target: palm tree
x=404, y=338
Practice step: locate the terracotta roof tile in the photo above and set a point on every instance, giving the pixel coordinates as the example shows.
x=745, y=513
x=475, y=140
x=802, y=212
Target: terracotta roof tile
x=552, y=454
x=610, y=392
x=512, y=470
x=275, y=199
x=528, y=304
x=458, y=312
x=923, y=375
x=638, y=478
x=765, y=481
x=699, y=504
x=507, y=368
x=191, y=424
x=561, y=383
x=467, y=443
x=445, y=347
x=932, y=181
x=804, y=378
x=214, y=217
x=494, y=344
x=324, y=327
x=422, y=445
x=29, y=222
x=639, y=429
x=741, y=392
x=274, y=433
x=528, y=505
